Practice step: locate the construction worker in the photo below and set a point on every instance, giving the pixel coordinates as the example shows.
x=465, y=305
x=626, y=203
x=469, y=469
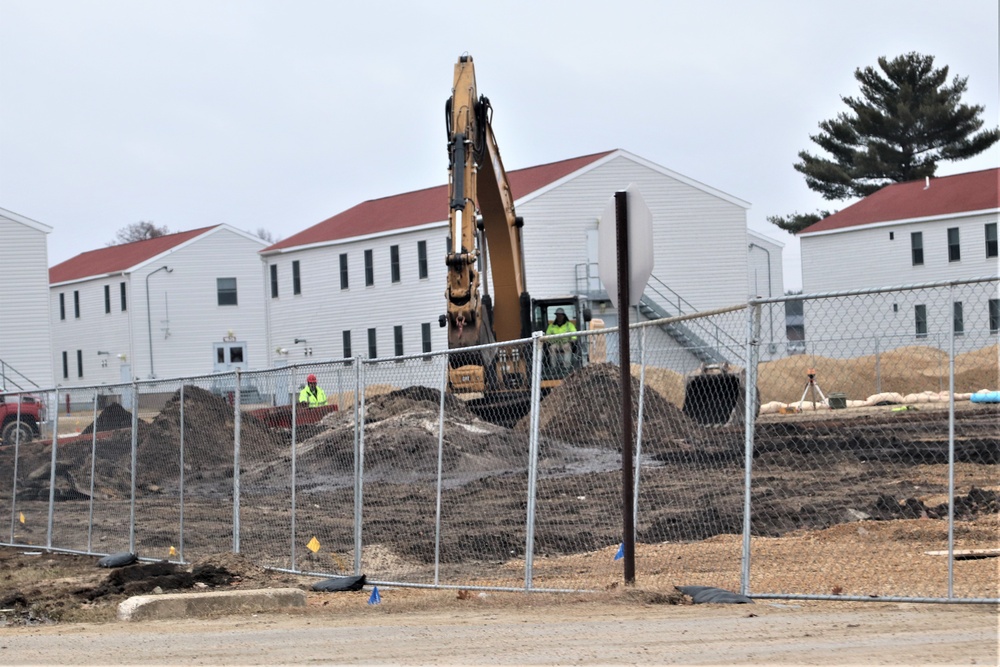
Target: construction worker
x=312, y=396
x=562, y=349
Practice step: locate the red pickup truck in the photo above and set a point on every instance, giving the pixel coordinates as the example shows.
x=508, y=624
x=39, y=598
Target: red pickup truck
x=31, y=412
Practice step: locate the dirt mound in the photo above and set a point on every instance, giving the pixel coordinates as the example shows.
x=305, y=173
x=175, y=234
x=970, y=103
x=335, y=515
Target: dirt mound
x=586, y=409
x=395, y=402
x=111, y=418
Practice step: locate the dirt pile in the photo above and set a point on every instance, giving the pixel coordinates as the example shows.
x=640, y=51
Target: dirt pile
x=112, y=417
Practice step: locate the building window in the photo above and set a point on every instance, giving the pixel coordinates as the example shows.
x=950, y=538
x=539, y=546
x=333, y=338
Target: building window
x=79, y=363
x=62, y=306
x=397, y=339
x=394, y=263
x=920, y=320
x=991, y=239
x=958, y=321
x=274, y=281
x=892, y=235
x=347, y=343
x=124, y=301
x=107, y=298
x=917, y=248
x=422, y=257
x=954, y=252
x=227, y=291
x=994, y=305
x=425, y=336
x=65, y=360
x=372, y=349
x=76, y=304
x=369, y=268
x=296, y=278
x=343, y=270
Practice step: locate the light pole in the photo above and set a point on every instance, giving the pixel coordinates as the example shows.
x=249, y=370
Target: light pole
x=149, y=318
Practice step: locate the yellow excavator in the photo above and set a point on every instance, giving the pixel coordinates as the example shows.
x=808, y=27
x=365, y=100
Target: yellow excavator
x=487, y=298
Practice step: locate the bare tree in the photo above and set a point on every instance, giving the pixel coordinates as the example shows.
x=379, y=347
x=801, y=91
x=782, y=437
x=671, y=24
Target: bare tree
x=138, y=231
x=264, y=235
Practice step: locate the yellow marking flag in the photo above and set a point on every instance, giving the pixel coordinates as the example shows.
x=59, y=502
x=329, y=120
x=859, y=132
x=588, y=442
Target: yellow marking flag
x=313, y=545
x=22, y=516
x=173, y=552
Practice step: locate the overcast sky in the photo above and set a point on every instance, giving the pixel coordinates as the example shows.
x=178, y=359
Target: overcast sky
x=279, y=114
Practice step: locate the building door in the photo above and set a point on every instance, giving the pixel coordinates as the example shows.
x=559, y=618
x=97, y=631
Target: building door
x=229, y=356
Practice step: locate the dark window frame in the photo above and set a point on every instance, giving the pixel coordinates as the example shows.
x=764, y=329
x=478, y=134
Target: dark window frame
x=394, y=263
x=920, y=320
x=296, y=277
x=274, y=281
x=107, y=299
x=993, y=310
x=76, y=304
x=227, y=296
x=954, y=245
x=124, y=298
x=958, y=318
x=397, y=339
x=425, y=337
x=991, y=239
x=344, y=276
x=917, y=248
x=346, y=338
x=79, y=363
x=422, y=259
x=65, y=364
x=369, y=268
x=372, y=344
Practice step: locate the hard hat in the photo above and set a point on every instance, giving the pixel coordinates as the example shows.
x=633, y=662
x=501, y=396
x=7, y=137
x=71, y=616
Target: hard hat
x=560, y=311
x=311, y=378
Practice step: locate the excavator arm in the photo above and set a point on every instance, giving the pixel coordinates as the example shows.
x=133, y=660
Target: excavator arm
x=478, y=189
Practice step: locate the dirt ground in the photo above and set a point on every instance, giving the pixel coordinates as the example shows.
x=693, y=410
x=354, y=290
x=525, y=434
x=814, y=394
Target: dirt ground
x=71, y=622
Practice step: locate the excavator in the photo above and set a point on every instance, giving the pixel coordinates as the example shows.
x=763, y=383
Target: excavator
x=487, y=299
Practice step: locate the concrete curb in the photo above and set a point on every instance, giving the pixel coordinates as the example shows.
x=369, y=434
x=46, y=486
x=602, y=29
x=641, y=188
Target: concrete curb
x=183, y=605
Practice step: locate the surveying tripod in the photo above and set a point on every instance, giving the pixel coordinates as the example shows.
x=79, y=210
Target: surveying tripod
x=812, y=388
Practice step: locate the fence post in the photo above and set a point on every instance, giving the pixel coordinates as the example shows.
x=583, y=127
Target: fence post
x=951, y=445
x=295, y=415
x=638, y=430
x=17, y=456
x=135, y=450
x=180, y=481
x=236, y=463
x=440, y=475
x=536, y=397
x=750, y=416
x=52, y=474
x=93, y=470
x=359, y=458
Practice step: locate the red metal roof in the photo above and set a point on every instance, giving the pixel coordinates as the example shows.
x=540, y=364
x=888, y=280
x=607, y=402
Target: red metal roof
x=118, y=258
x=422, y=206
x=972, y=191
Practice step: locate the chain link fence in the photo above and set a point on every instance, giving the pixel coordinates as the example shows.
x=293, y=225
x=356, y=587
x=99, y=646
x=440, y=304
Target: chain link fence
x=838, y=468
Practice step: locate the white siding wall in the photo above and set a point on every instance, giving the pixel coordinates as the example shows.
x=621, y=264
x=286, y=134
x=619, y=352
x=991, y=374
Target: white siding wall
x=868, y=257
x=699, y=239
x=323, y=311
x=25, y=334
x=184, y=301
x=880, y=256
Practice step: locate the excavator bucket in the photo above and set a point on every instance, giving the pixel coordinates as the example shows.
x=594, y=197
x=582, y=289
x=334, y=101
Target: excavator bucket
x=715, y=395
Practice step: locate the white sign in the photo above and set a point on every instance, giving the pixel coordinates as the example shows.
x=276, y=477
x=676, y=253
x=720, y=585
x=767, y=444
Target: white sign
x=640, y=246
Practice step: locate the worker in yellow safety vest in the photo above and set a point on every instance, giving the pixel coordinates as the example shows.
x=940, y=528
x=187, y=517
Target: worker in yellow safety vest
x=562, y=349
x=312, y=396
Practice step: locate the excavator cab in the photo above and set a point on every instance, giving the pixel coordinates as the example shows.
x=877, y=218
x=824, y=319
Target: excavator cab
x=561, y=356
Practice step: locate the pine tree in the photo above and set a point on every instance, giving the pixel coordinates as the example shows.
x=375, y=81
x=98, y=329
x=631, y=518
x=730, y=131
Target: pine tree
x=906, y=120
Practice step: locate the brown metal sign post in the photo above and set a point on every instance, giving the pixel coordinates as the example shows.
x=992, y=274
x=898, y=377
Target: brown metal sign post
x=628, y=518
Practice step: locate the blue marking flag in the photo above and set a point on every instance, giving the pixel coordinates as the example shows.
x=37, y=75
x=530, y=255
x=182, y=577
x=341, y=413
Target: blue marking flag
x=375, y=597
x=621, y=551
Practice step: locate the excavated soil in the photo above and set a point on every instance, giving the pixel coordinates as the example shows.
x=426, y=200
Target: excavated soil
x=811, y=472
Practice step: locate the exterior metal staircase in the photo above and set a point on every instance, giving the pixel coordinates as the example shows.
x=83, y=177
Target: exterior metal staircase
x=709, y=343
x=12, y=379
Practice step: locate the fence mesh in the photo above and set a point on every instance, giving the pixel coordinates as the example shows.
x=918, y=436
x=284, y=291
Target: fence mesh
x=872, y=452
